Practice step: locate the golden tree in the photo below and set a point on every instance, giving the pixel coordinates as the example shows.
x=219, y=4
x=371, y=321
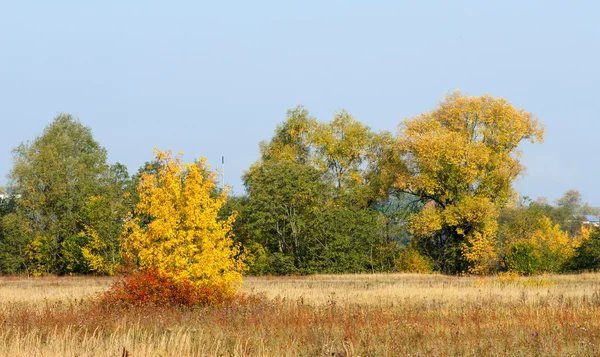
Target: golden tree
x=461, y=159
x=184, y=239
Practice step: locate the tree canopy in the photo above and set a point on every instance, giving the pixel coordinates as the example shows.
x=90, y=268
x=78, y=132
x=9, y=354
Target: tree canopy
x=461, y=160
x=324, y=196
x=312, y=197
x=58, y=177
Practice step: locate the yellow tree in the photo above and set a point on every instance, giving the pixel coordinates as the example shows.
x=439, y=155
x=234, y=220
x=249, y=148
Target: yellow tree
x=530, y=242
x=184, y=240
x=461, y=159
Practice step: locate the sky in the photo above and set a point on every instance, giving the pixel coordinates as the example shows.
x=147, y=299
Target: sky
x=213, y=79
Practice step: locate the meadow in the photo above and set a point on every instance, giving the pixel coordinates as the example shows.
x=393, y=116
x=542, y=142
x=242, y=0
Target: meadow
x=320, y=315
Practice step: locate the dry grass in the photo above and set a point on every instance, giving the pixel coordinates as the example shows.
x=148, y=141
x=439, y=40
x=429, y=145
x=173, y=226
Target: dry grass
x=38, y=290
x=348, y=315
x=391, y=289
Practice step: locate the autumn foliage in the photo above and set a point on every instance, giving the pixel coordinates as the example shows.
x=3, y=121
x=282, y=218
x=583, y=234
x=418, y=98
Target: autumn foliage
x=324, y=197
x=411, y=261
x=151, y=288
x=461, y=159
x=176, y=240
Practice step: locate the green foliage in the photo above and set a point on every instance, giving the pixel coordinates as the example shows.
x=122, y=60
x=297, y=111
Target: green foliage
x=530, y=243
x=345, y=239
x=330, y=197
x=291, y=213
x=66, y=188
x=587, y=255
x=284, y=203
x=523, y=257
x=292, y=139
x=14, y=237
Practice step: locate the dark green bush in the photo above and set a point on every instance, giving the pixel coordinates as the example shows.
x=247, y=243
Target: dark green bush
x=524, y=258
x=587, y=255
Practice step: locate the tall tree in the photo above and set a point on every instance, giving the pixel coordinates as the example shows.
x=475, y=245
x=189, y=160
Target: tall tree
x=352, y=157
x=311, y=196
x=572, y=201
x=461, y=160
x=285, y=199
x=292, y=214
x=56, y=175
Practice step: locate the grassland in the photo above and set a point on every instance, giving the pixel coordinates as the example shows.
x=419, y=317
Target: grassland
x=344, y=315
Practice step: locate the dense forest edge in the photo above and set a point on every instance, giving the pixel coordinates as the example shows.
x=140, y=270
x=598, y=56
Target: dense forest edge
x=324, y=197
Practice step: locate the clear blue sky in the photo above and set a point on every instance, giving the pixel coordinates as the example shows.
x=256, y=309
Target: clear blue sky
x=215, y=78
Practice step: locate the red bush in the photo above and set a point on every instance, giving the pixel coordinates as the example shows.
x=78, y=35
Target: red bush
x=149, y=287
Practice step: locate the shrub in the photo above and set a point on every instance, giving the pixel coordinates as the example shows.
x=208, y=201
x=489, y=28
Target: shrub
x=150, y=287
x=508, y=277
x=587, y=255
x=411, y=261
x=538, y=247
x=523, y=258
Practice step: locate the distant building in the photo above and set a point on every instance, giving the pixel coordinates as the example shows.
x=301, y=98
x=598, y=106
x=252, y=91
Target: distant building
x=591, y=220
x=8, y=195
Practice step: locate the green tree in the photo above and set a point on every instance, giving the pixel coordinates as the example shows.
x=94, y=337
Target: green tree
x=14, y=236
x=523, y=257
x=95, y=249
x=312, y=198
x=587, y=255
x=292, y=220
x=353, y=157
x=248, y=234
x=56, y=176
x=394, y=216
x=284, y=202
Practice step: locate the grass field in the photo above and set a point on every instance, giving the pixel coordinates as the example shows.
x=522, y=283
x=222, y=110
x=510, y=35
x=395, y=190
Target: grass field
x=323, y=315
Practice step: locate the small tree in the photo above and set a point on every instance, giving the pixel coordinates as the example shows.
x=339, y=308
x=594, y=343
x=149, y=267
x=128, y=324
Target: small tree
x=184, y=239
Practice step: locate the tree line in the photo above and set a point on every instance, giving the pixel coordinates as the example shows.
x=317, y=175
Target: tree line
x=324, y=197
